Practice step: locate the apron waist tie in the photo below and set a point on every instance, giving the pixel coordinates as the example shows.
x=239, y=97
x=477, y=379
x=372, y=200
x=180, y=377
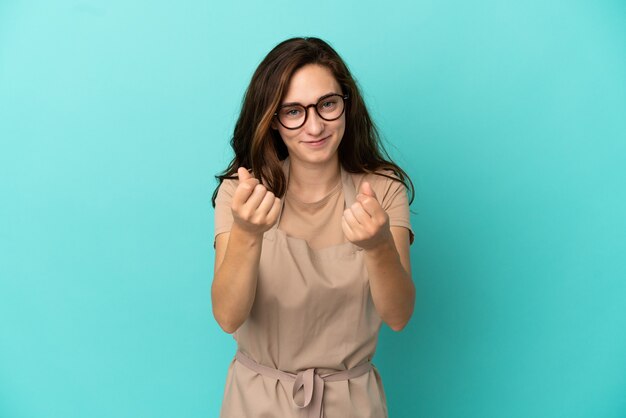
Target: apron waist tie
x=311, y=382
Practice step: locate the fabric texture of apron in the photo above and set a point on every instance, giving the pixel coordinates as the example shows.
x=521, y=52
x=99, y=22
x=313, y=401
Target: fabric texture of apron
x=305, y=350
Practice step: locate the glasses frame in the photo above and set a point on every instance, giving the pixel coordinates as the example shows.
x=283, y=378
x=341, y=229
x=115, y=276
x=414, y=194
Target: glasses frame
x=306, y=110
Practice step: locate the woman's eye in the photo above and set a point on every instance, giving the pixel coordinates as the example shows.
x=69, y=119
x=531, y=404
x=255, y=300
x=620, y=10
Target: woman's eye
x=328, y=104
x=292, y=113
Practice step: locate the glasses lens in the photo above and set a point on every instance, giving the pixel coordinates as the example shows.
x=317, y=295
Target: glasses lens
x=292, y=116
x=330, y=107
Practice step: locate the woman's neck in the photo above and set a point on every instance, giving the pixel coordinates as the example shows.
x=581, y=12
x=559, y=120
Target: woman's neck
x=312, y=182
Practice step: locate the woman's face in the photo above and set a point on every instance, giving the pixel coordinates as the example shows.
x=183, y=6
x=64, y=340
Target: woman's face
x=318, y=139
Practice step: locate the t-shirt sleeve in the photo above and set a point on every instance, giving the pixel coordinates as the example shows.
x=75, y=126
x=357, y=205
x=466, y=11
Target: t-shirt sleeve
x=223, y=201
x=394, y=199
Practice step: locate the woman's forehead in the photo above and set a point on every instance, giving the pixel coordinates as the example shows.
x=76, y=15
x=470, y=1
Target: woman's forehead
x=309, y=83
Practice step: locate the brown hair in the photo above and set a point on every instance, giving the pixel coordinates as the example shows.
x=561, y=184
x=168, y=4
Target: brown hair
x=261, y=149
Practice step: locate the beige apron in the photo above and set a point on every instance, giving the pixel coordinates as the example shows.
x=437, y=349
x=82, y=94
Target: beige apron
x=305, y=350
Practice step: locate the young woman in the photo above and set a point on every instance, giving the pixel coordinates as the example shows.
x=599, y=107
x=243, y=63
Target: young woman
x=312, y=238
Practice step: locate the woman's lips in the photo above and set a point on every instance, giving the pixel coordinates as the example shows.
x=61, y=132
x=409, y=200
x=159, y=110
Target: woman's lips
x=317, y=143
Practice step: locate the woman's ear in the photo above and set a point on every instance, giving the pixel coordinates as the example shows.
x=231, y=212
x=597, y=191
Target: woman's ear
x=274, y=125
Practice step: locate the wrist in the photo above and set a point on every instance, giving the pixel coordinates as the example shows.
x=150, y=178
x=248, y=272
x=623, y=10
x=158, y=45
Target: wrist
x=381, y=247
x=245, y=236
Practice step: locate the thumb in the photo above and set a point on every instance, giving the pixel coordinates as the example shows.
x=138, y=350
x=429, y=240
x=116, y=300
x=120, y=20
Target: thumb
x=243, y=174
x=367, y=190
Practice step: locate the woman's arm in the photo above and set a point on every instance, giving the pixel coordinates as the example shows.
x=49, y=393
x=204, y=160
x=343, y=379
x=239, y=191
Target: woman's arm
x=234, y=282
x=237, y=253
x=387, y=260
x=392, y=288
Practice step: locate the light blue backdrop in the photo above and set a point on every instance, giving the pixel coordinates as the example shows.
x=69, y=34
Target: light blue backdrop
x=509, y=116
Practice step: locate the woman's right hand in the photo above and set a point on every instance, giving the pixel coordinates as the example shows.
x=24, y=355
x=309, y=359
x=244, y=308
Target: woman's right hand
x=255, y=209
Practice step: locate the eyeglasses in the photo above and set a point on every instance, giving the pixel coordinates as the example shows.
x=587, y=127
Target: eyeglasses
x=329, y=108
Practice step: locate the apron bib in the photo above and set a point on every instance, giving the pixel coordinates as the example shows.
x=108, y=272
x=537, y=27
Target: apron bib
x=312, y=316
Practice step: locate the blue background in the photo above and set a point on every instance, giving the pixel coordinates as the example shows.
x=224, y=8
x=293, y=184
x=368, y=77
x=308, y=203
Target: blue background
x=509, y=116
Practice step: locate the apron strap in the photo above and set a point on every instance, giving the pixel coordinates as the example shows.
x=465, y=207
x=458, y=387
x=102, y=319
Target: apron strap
x=309, y=380
x=349, y=189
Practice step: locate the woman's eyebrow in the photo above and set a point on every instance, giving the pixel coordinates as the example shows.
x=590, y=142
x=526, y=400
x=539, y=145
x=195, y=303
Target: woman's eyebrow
x=319, y=98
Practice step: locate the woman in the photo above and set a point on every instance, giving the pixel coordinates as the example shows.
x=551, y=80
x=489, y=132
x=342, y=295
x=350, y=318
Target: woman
x=311, y=246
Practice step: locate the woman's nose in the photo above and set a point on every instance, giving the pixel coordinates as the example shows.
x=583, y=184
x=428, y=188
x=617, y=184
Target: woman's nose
x=314, y=123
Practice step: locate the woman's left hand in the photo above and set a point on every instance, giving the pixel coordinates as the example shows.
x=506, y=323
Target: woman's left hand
x=366, y=223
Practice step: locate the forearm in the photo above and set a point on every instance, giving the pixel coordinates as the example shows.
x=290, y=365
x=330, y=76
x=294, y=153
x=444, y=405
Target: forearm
x=391, y=285
x=235, y=281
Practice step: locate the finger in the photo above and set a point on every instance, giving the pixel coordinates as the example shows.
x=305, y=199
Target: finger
x=266, y=204
x=352, y=221
x=370, y=204
x=366, y=189
x=252, y=182
x=359, y=213
x=256, y=197
x=347, y=230
x=246, y=177
x=243, y=192
x=243, y=174
x=272, y=215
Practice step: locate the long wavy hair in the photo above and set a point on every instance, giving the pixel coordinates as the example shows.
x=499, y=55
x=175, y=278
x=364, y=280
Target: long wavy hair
x=260, y=148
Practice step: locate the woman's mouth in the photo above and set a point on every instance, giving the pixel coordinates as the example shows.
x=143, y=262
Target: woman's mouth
x=318, y=143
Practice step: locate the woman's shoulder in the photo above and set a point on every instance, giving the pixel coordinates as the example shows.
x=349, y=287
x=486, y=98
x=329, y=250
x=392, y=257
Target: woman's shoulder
x=226, y=190
x=380, y=180
x=389, y=190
